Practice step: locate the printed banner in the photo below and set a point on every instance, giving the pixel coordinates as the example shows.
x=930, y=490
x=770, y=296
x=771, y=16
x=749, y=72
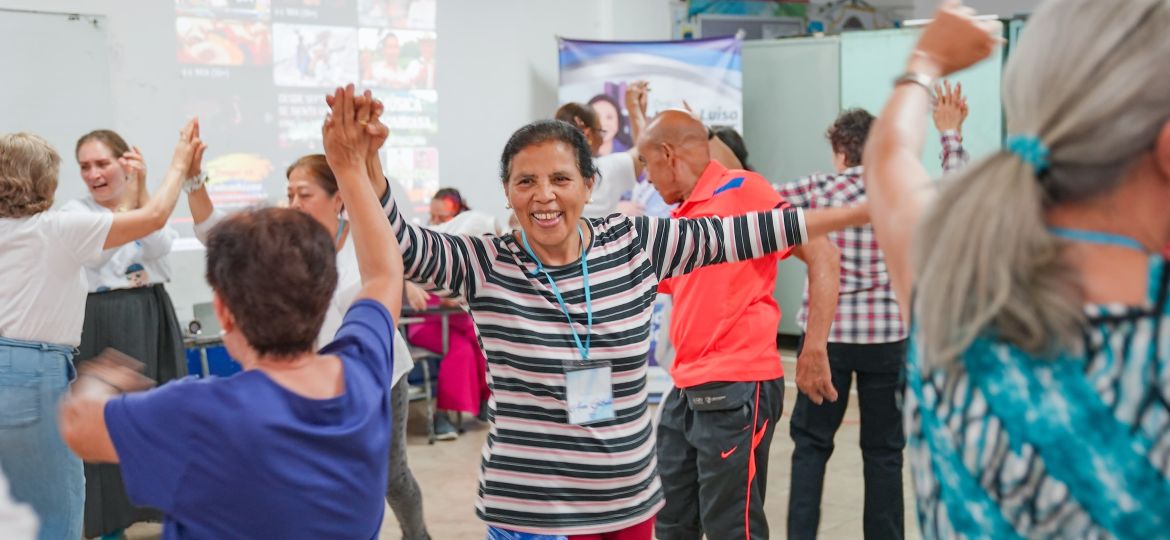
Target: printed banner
x=706, y=73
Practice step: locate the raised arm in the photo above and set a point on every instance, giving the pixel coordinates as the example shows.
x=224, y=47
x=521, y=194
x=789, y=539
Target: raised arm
x=635, y=98
x=346, y=140
x=158, y=243
x=203, y=212
x=679, y=246
x=451, y=264
x=897, y=183
x=447, y=263
x=135, y=224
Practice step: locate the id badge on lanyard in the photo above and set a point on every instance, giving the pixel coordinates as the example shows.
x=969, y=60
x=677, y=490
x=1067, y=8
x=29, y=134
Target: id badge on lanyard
x=589, y=391
x=588, y=383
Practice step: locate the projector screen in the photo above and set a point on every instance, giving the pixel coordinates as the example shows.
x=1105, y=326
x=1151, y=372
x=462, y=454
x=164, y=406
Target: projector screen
x=256, y=71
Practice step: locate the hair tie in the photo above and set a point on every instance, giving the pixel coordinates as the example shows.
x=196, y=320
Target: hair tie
x=1031, y=150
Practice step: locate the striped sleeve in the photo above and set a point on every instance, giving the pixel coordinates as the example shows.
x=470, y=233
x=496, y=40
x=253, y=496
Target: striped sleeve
x=679, y=246
x=447, y=263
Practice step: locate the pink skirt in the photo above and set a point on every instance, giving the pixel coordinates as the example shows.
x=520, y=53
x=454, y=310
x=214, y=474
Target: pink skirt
x=462, y=383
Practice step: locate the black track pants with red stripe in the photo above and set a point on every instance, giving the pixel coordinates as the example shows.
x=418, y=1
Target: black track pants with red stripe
x=713, y=442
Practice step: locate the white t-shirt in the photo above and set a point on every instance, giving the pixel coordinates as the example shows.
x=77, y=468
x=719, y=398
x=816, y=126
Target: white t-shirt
x=133, y=264
x=203, y=230
x=615, y=177
x=349, y=283
x=42, y=273
x=471, y=223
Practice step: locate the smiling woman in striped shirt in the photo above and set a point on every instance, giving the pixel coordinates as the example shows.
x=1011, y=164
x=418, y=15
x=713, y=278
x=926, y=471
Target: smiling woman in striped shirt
x=563, y=309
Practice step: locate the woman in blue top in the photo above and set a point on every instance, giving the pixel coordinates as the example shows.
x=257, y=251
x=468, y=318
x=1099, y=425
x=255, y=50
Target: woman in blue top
x=1038, y=395
x=295, y=445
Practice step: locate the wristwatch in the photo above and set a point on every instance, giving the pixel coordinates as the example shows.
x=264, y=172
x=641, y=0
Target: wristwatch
x=913, y=77
x=195, y=183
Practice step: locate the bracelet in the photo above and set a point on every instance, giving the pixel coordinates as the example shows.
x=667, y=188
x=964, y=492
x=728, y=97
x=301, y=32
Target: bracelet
x=913, y=77
x=195, y=183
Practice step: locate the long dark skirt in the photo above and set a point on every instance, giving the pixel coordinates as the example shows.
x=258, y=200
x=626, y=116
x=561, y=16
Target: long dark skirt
x=141, y=323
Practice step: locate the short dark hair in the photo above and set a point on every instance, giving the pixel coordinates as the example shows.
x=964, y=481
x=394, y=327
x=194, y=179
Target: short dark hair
x=734, y=141
x=275, y=270
x=848, y=133
x=575, y=113
x=542, y=131
x=454, y=196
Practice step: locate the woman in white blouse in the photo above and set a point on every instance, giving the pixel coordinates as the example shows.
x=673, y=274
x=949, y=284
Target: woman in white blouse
x=43, y=293
x=128, y=307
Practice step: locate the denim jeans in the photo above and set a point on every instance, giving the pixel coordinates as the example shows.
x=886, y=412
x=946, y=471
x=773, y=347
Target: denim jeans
x=43, y=472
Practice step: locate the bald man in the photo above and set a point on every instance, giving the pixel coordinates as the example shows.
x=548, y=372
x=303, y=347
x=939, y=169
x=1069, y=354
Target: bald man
x=716, y=426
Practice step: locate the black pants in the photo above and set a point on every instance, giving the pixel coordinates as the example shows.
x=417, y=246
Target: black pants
x=879, y=372
x=713, y=442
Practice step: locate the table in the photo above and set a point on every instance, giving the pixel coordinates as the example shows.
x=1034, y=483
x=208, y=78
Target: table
x=202, y=342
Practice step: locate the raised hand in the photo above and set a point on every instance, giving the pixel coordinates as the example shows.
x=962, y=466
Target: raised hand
x=379, y=131
x=636, y=97
x=196, y=166
x=954, y=41
x=152, y=213
x=950, y=111
x=135, y=169
x=347, y=139
x=186, y=148
x=345, y=134
x=133, y=165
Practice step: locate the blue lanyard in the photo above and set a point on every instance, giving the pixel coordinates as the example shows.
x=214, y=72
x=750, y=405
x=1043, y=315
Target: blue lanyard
x=1097, y=237
x=583, y=349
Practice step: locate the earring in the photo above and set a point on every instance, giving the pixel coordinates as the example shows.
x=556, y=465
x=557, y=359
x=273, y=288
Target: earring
x=508, y=206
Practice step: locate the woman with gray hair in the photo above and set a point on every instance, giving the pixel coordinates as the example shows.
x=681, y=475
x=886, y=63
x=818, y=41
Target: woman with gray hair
x=43, y=289
x=1038, y=395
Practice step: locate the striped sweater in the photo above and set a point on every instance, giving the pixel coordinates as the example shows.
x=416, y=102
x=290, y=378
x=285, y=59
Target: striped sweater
x=539, y=473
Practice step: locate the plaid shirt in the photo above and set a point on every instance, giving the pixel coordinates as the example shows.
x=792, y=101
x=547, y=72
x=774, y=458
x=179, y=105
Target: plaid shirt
x=867, y=312
x=953, y=156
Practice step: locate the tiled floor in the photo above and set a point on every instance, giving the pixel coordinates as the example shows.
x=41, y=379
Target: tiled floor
x=448, y=473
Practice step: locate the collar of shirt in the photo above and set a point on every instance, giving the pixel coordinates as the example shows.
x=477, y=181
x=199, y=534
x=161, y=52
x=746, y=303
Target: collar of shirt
x=853, y=171
x=704, y=188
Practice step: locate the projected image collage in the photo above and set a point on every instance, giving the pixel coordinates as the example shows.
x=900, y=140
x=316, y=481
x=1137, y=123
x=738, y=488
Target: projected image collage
x=256, y=72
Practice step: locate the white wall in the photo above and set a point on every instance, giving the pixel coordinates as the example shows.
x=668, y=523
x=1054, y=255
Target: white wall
x=145, y=98
x=497, y=70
